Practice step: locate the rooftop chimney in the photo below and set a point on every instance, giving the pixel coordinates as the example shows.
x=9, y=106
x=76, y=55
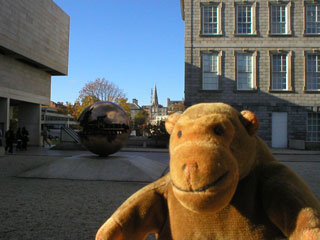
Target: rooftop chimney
x=135, y=101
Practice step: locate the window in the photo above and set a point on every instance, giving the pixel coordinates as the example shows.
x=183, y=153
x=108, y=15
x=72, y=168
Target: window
x=313, y=127
x=312, y=19
x=245, y=20
x=280, y=18
x=281, y=71
x=211, y=69
x=313, y=72
x=244, y=72
x=246, y=62
x=209, y=72
x=211, y=19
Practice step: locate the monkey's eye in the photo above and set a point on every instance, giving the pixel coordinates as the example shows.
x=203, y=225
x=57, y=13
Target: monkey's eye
x=179, y=134
x=218, y=130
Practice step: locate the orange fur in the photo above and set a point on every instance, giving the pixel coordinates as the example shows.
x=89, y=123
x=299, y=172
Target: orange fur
x=223, y=183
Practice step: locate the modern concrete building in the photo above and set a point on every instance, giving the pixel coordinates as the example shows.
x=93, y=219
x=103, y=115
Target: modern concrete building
x=259, y=55
x=34, y=45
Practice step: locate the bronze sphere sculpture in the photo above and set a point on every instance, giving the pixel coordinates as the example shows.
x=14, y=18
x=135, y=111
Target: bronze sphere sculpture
x=105, y=128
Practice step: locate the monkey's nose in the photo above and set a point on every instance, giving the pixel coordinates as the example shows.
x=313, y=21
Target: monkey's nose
x=189, y=168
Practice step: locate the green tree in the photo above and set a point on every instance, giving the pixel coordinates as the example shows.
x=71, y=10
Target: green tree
x=158, y=133
x=141, y=118
x=140, y=121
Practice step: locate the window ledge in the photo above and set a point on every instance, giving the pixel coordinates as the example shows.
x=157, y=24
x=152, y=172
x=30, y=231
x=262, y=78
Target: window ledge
x=207, y=90
x=211, y=35
x=312, y=91
x=280, y=35
x=246, y=35
x=311, y=34
x=245, y=91
x=281, y=91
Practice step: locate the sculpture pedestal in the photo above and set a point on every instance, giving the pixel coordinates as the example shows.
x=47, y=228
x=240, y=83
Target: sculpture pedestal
x=118, y=167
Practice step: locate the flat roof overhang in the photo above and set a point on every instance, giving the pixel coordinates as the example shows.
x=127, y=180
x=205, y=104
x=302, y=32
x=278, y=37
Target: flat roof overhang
x=23, y=59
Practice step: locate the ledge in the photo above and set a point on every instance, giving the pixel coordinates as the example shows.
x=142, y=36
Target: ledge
x=311, y=34
x=312, y=91
x=280, y=35
x=246, y=35
x=245, y=91
x=281, y=91
x=214, y=91
x=211, y=35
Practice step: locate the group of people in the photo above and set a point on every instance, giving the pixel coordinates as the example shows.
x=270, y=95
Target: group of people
x=21, y=137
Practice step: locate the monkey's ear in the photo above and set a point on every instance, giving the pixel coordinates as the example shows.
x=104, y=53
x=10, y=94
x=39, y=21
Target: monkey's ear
x=250, y=121
x=171, y=121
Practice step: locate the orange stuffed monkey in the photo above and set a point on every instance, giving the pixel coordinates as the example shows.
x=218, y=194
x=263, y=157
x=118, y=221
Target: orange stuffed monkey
x=223, y=183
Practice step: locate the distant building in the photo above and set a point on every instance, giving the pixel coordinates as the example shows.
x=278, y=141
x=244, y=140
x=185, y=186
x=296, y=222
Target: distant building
x=258, y=55
x=34, y=45
x=58, y=105
x=174, y=106
x=134, y=108
x=54, y=120
x=158, y=112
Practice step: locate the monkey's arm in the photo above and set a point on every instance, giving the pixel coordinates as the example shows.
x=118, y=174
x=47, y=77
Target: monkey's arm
x=289, y=203
x=143, y=213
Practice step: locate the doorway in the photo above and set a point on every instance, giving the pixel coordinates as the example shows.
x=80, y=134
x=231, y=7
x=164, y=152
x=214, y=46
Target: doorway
x=279, y=130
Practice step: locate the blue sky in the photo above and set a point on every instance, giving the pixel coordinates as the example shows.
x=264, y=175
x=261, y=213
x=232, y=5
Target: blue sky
x=133, y=43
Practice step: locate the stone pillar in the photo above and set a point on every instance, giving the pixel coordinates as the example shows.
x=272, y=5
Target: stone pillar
x=30, y=118
x=4, y=121
x=4, y=113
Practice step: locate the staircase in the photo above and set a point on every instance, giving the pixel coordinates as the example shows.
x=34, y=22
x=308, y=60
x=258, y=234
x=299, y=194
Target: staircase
x=69, y=135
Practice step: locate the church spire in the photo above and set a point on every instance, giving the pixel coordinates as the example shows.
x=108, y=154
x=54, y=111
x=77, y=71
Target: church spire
x=155, y=97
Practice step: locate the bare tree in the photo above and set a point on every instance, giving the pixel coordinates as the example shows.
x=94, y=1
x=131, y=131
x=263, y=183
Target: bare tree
x=103, y=90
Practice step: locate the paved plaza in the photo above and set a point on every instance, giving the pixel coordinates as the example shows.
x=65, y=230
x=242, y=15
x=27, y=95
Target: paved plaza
x=64, y=209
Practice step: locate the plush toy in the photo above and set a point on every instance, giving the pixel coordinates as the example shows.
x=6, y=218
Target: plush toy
x=223, y=183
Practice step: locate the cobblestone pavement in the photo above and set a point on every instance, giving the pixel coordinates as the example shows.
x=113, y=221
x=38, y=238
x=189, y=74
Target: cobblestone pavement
x=51, y=209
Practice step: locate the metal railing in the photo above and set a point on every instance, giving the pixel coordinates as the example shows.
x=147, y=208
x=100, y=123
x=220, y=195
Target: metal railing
x=70, y=132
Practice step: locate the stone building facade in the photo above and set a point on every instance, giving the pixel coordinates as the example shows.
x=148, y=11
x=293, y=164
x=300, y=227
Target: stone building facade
x=134, y=108
x=34, y=45
x=258, y=55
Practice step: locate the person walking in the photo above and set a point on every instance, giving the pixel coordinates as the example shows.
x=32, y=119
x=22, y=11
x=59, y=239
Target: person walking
x=9, y=136
x=19, y=140
x=1, y=137
x=45, y=135
x=25, y=138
